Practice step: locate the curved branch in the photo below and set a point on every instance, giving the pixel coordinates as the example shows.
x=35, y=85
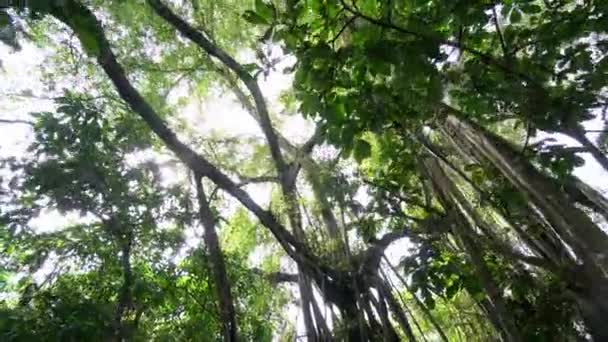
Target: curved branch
x=199, y=39
x=90, y=27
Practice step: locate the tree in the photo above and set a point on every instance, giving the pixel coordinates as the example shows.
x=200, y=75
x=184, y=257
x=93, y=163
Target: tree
x=498, y=227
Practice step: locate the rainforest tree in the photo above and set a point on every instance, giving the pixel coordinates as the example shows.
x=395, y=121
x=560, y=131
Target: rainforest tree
x=425, y=116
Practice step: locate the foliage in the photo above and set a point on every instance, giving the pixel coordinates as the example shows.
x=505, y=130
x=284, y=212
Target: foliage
x=433, y=110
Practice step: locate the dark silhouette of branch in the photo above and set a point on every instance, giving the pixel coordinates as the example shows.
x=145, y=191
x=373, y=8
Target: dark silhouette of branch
x=313, y=141
x=277, y=277
x=217, y=263
x=528, y=135
x=199, y=39
x=346, y=25
x=196, y=162
x=16, y=121
x=255, y=180
x=503, y=44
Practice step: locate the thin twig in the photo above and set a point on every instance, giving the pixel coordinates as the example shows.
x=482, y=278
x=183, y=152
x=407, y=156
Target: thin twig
x=17, y=121
x=499, y=32
x=347, y=24
x=484, y=57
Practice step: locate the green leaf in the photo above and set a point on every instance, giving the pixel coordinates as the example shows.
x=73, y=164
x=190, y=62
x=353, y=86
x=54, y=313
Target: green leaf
x=320, y=51
x=451, y=290
x=254, y=18
x=347, y=134
x=251, y=67
x=515, y=16
x=265, y=10
x=362, y=150
x=338, y=111
x=531, y=9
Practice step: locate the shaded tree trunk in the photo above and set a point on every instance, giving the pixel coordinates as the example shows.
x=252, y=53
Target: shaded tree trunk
x=386, y=292
x=125, y=300
x=388, y=333
x=537, y=235
x=588, y=242
x=425, y=310
x=575, y=227
x=218, y=267
x=461, y=228
x=596, y=200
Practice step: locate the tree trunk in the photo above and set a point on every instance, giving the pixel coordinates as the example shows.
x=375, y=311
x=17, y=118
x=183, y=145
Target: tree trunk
x=425, y=310
x=575, y=227
x=125, y=300
x=307, y=298
x=595, y=200
x=323, y=332
x=486, y=307
x=388, y=333
x=218, y=268
x=461, y=228
x=588, y=242
x=386, y=292
x=539, y=237
x=594, y=310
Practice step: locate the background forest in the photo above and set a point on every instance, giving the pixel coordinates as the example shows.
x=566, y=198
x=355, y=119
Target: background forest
x=312, y=170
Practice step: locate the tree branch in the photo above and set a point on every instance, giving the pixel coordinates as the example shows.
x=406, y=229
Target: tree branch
x=199, y=39
x=259, y=179
x=16, y=121
x=499, y=32
x=277, y=277
x=485, y=58
x=346, y=25
x=218, y=266
x=201, y=166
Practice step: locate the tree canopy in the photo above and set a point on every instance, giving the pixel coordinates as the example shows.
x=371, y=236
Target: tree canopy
x=410, y=171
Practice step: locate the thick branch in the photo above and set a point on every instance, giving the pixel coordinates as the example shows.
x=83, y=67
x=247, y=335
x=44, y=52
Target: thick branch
x=201, y=166
x=199, y=39
x=373, y=255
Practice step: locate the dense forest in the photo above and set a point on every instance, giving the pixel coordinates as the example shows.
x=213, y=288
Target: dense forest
x=387, y=170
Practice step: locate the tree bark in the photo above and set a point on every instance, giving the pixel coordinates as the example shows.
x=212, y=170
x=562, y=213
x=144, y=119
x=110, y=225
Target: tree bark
x=386, y=292
x=218, y=267
x=461, y=229
x=595, y=200
x=388, y=332
x=125, y=300
x=425, y=310
x=575, y=227
x=588, y=242
x=539, y=237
